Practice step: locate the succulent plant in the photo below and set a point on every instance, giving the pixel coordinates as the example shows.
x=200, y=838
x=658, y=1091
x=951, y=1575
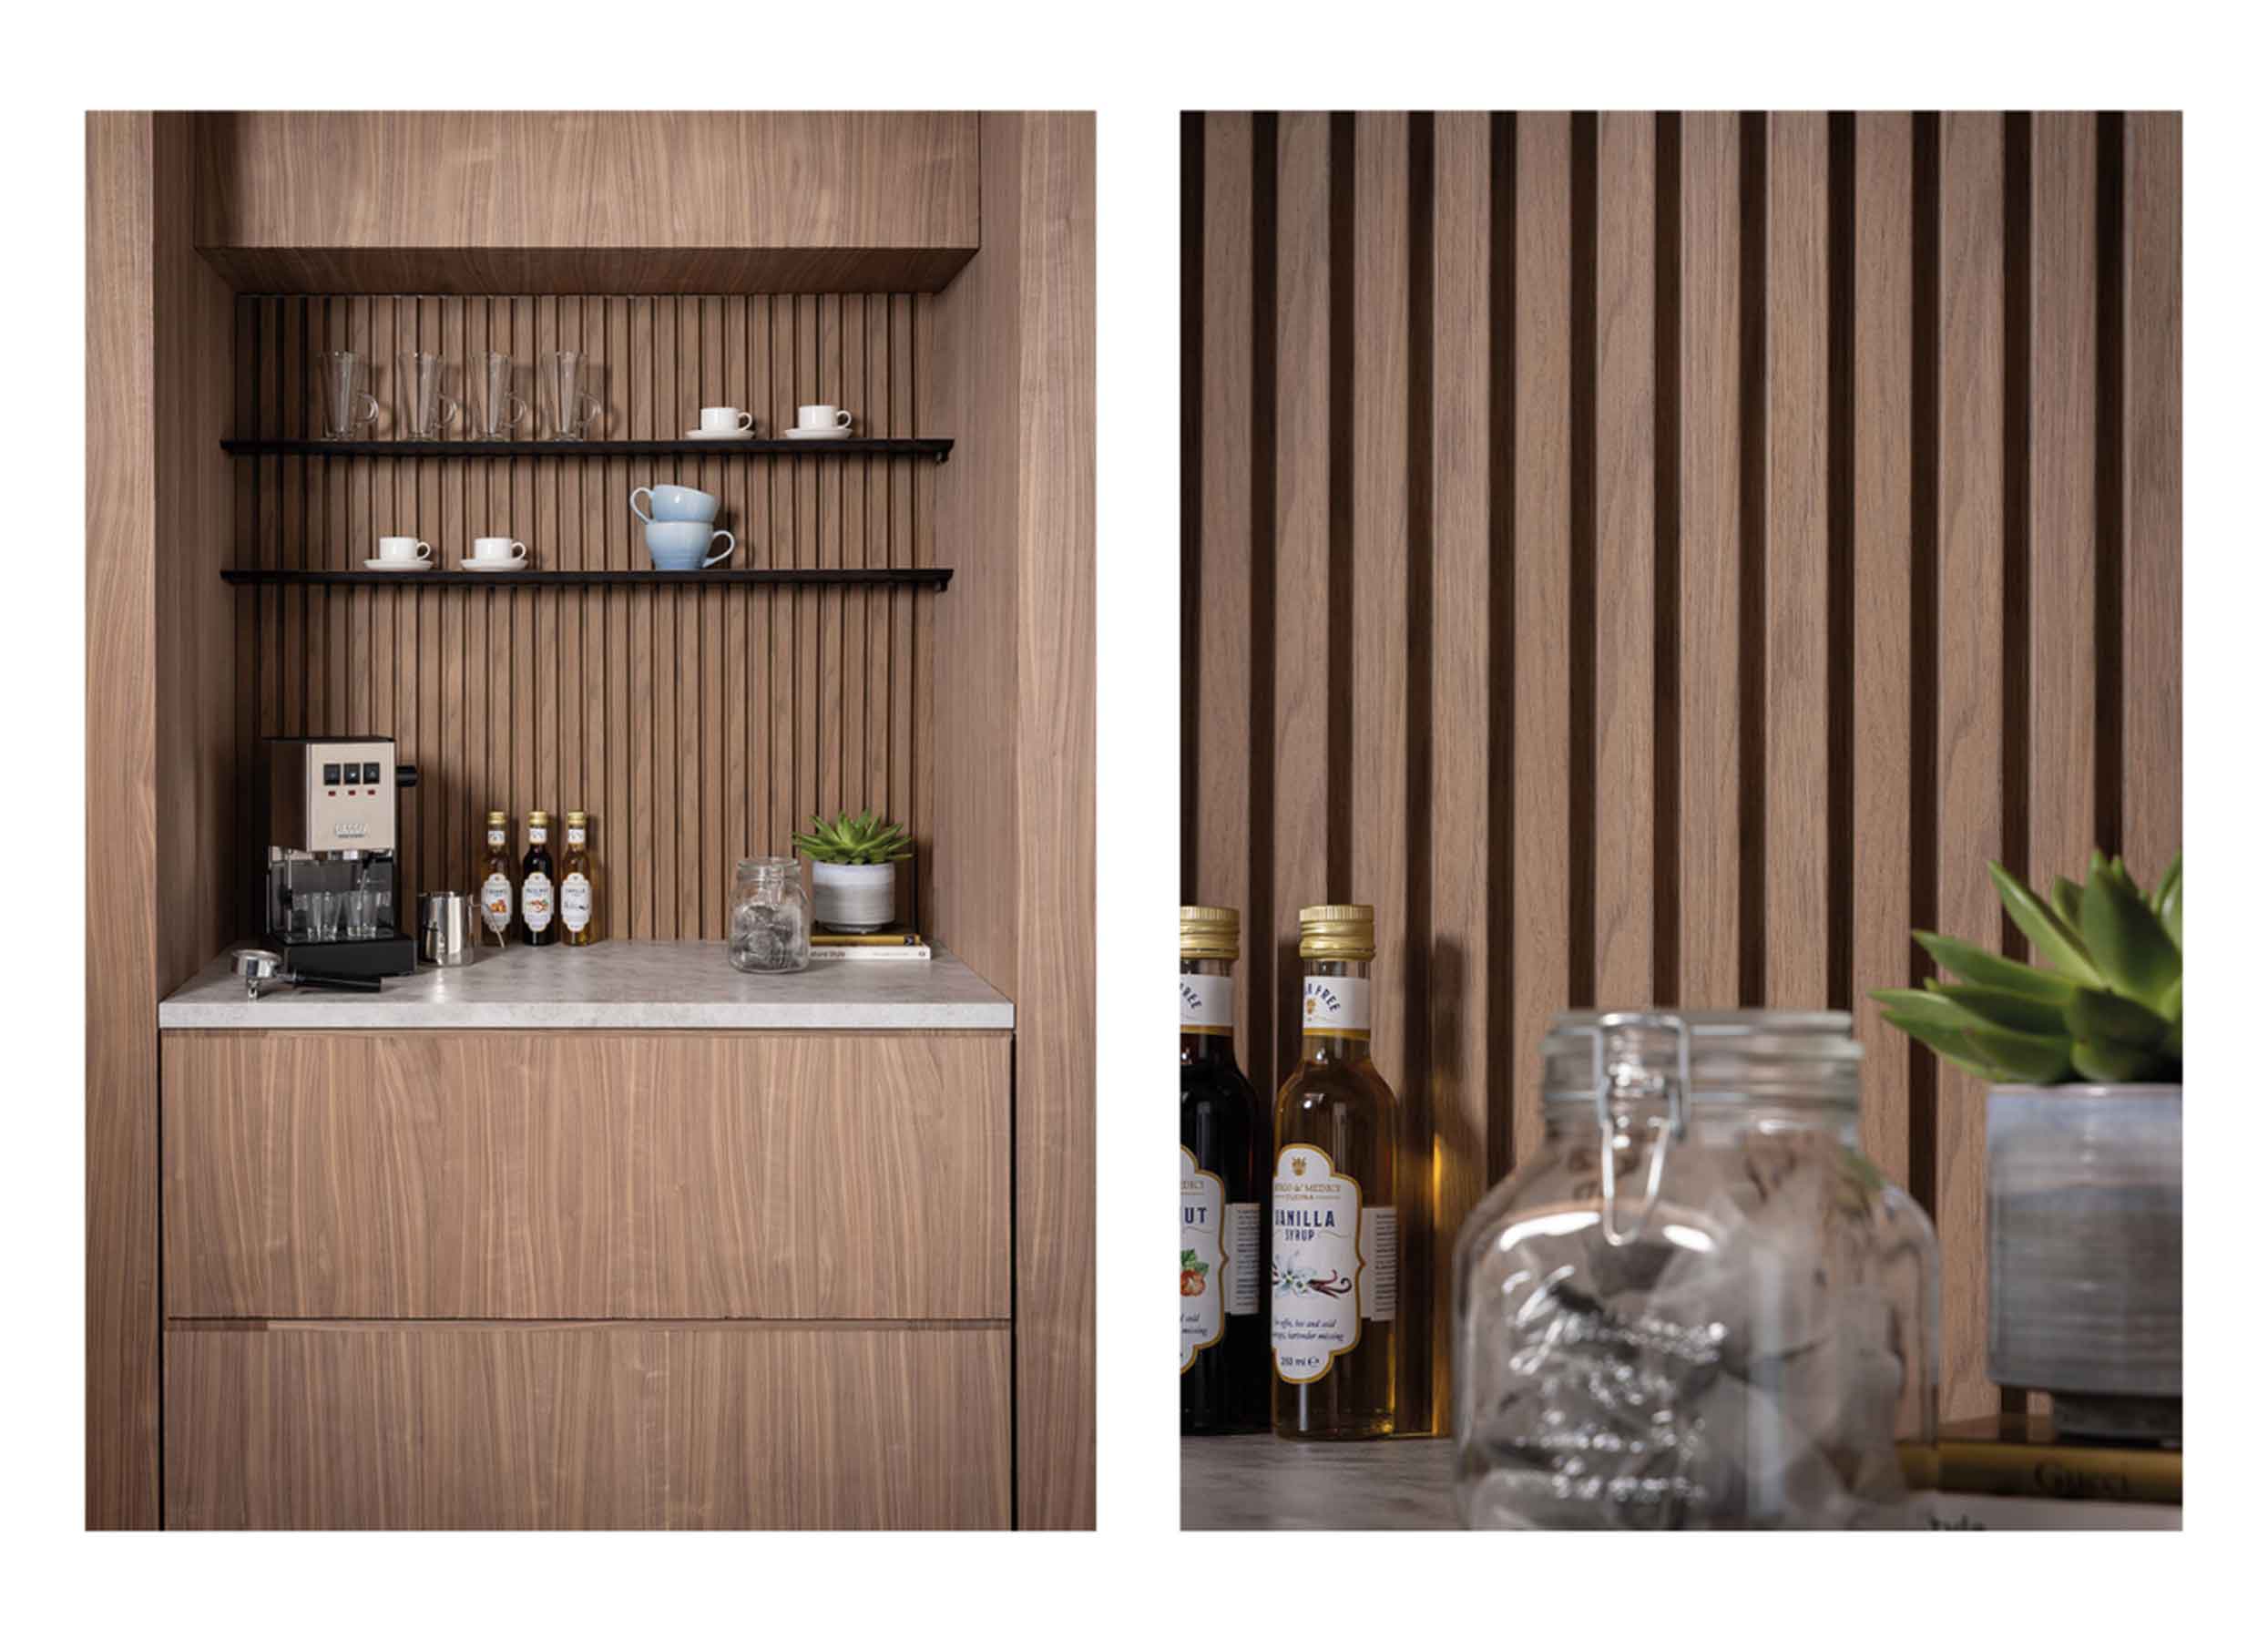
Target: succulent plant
x=860, y=839
x=2106, y=1009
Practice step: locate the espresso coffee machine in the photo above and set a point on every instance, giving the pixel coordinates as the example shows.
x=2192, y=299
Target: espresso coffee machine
x=335, y=901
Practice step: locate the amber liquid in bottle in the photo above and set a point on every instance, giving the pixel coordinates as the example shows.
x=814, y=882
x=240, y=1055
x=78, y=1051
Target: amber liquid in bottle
x=578, y=894
x=538, y=891
x=497, y=893
x=1334, y=1243
x=1224, y=1199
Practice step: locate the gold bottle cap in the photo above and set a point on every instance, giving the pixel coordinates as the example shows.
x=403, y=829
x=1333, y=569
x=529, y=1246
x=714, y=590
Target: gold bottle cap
x=1209, y=934
x=1338, y=933
x=539, y=817
x=577, y=817
x=495, y=817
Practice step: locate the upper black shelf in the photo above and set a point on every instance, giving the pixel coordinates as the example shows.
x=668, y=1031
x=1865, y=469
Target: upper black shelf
x=538, y=449
x=935, y=576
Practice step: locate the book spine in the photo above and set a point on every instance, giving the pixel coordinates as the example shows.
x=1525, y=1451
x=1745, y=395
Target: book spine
x=2111, y=1474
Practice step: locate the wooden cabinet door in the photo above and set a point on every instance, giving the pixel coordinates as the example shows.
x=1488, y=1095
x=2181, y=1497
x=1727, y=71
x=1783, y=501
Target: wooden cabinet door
x=485, y=1426
x=586, y=1175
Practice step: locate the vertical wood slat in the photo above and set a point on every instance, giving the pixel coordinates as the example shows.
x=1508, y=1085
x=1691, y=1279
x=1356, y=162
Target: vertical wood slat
x=1707, y=806
x=1542, y=554
x=1303, y=546
x=1971, y=477
x=1454, y=1101
x=516, y=698
x=1219, y=810
x=1962, y=652
x=1882, y=598
x=1796, y=886
x=2150, y=556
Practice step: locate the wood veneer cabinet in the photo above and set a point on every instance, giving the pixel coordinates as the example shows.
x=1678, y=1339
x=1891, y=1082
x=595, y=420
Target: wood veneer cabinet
x=487, y=1278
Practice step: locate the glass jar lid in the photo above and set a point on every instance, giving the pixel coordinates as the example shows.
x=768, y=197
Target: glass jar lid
x=1712, y=1055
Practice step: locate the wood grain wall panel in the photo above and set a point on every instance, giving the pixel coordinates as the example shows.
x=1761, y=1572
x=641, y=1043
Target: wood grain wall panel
x=1622, y=455
x=2149, y=735
x=1708, y=727
x=481, y=1174
x=1882, y=600
x=1542, y=612
x=409, y=185
x=1971, y=536
x=578, y=1427
x=1302, y=593
x=1446, y=1111
x=1717, y=649
x=1794, y=594
x=513, y=698
x=2065, y=453
x=1220, y=805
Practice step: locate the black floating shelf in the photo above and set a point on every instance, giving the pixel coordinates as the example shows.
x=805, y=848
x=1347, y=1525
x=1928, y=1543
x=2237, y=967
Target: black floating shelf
x=457, y=580
x=538, y=449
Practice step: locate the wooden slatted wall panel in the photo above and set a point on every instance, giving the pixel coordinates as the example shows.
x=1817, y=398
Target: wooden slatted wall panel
x=697, y=726
x=1661, y=559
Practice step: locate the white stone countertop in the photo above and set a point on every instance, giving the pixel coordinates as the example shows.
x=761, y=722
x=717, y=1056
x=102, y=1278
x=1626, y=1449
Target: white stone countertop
x=1258, y=1484
x=616, y=985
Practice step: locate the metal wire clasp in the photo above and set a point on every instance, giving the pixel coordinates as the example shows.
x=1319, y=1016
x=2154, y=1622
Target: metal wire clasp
x=1602, y=1100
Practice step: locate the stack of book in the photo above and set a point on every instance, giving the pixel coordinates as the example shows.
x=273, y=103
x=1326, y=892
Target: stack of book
x=883, y=945
x=2011, y=1473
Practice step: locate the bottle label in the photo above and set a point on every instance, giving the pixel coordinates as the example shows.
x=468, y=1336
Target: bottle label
x=496, y=837
x=1204, y=1211
x=1208, y=1005
x=1334, y=1005
x=1241, y=1249
x=1319, y=1241
x=536, y=901
x=1382, y=1263
x=495, y=902
x=575, y=836
x=574, y=901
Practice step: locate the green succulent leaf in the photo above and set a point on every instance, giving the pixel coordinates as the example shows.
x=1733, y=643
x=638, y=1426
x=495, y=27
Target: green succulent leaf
x=2169, y=884
x=1980, y=967
x=1929, y=1005
x=1948, y=1042
x=2064, y=897
x=2170, y=913
x=2011, y=1011
x=2131, y=947
x=2059, y=945
x=2114, y=1063
x=2020, y=1056
x=2105, y=1019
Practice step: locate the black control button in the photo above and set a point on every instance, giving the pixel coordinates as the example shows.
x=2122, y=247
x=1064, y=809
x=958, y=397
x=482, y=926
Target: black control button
x=370, y=774
x=331, y=775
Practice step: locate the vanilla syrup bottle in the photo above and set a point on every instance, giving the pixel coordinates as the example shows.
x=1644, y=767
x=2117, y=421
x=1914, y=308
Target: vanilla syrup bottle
x=1333, y=1247
x=579, y=904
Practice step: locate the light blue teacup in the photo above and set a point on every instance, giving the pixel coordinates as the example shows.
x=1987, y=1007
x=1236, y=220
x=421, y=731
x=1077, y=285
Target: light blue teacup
x=675, y=503
x=680, y=544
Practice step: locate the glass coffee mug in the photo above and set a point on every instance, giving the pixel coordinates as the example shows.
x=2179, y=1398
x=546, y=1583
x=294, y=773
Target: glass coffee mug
x=567, y=379
x=347, y=407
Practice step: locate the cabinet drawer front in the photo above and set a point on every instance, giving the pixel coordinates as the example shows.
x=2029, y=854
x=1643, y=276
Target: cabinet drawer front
x=476, y=1426
x=490, y=1174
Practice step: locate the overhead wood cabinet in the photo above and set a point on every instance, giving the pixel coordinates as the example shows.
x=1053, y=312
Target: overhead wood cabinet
x=649, y=1243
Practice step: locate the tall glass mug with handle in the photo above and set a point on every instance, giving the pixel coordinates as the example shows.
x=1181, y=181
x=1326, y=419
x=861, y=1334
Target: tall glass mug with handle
x=500, y=409
x=426, y=409
x=348, y=408
x=567, y=381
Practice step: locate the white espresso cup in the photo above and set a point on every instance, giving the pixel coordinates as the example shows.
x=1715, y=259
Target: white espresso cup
x=495, y=549
x=403, y=549
x=724, y=418
x=814, y=417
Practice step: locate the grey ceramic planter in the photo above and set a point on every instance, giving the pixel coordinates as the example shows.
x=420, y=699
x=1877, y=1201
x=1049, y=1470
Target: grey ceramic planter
x=2083, y=1203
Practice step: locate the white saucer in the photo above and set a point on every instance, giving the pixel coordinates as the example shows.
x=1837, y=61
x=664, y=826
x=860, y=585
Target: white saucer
x=725, y=437
x=818, y=432
x=491, y=567
x=398, y=566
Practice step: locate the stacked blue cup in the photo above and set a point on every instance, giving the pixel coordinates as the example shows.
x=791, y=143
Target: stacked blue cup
x=681, y=527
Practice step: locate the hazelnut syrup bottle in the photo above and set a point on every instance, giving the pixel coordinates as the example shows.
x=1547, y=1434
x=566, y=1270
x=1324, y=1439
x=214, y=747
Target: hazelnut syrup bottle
x=1224, y=1146
x=538, y=898
x=1334, y=1249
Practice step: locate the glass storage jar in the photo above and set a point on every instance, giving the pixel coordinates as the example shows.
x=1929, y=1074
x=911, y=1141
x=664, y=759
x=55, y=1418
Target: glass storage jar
x=1698, y=1304
x=772, y=917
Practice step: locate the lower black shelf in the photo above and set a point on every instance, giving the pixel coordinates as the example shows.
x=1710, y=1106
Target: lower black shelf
x=934, y=579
